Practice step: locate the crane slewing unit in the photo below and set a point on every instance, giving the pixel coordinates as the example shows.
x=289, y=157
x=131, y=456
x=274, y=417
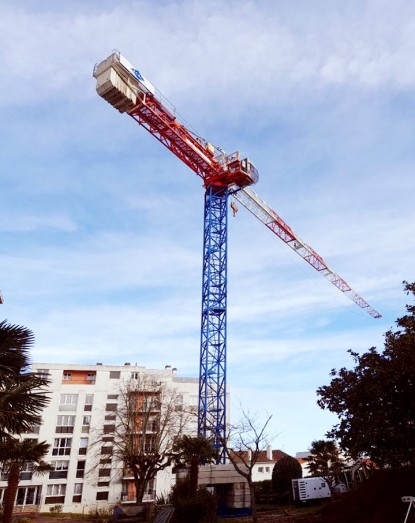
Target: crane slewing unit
x=126, y=89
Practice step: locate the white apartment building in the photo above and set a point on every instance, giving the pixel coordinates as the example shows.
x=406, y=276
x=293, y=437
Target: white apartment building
x=79, y=425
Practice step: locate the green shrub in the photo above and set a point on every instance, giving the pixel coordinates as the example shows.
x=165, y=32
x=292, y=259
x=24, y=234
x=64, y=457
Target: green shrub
x=100, y=514
x=200, y=508
x=263, y=492
x=285, y=470
x=163, y=499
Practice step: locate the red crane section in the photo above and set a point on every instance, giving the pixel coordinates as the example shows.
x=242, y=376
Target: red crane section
x=127, y=90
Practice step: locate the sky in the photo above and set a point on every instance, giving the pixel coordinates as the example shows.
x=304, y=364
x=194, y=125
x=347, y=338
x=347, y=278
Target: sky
x=101, y=226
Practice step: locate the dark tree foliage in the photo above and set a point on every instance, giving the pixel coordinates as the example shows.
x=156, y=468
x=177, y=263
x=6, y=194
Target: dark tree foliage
x=285, y=470
x=193, y=507
x=22, y=393
x=194, y=451
x=15, y=455
x=375, y=401
x=325, y=462
x=263, y=492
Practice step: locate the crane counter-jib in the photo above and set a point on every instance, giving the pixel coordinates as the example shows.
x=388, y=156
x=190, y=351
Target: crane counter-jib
x=126, y=89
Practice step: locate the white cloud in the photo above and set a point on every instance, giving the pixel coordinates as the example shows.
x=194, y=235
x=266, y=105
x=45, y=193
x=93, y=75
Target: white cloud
x=270, y=49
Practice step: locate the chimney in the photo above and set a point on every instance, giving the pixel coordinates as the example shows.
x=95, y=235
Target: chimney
x=269, y=452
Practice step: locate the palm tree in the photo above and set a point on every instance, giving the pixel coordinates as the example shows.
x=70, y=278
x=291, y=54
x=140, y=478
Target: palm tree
x=194, y=451
x=15, y=455
x=326, y=462
x=21, y=396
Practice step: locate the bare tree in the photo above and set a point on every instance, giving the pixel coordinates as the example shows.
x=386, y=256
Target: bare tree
x=149, y=419
x=245, y=441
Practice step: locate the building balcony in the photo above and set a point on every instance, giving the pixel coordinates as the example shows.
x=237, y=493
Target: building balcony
x=78, y=377
x=78, y=382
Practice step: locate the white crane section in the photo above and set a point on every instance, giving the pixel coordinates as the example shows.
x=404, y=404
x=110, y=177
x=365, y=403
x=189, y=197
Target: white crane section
x=261, y=210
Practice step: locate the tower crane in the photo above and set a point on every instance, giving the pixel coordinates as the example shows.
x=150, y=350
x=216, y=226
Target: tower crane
x=128, y=91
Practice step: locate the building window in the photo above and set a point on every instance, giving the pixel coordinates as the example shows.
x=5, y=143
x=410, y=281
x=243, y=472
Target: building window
x=42, y=372
x=267, y=469
x=102, y=496
x=83, y=444
x=27, y=472
x=68, y=402
x=67, y=376
x=60, y=469
x=110, y=417
x=109, y=429
x=62, y=447
x=112, y=396
x=26, y=496
x=89, y=400
x=80, y=469
x=55, y=494
x=56, y=490
x=34, y=429
x=106, y=450
x=77, y=493
x=86, y=422
x=60, y=465
x=110, y=407
x=260, y=469
x=65, y=423
x=102, y=473
x=115, y=374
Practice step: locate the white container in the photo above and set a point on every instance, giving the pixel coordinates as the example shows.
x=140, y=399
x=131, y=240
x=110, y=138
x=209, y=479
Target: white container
x=305, y=489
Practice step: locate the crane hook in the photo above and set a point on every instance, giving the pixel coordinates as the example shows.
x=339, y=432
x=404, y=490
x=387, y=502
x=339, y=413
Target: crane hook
x=234, y=208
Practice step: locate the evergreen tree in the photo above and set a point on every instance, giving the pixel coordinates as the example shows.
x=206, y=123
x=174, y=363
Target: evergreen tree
x=375, y=401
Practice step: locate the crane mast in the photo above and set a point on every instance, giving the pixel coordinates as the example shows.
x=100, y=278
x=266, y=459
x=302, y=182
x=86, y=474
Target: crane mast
x=126, y=89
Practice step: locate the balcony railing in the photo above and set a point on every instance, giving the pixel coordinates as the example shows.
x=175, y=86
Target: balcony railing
x=84, y=381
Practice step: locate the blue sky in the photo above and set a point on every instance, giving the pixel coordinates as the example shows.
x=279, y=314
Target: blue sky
x=101, y=227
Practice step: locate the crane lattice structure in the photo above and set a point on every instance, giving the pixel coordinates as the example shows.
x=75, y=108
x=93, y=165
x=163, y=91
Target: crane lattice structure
x=126, y=89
